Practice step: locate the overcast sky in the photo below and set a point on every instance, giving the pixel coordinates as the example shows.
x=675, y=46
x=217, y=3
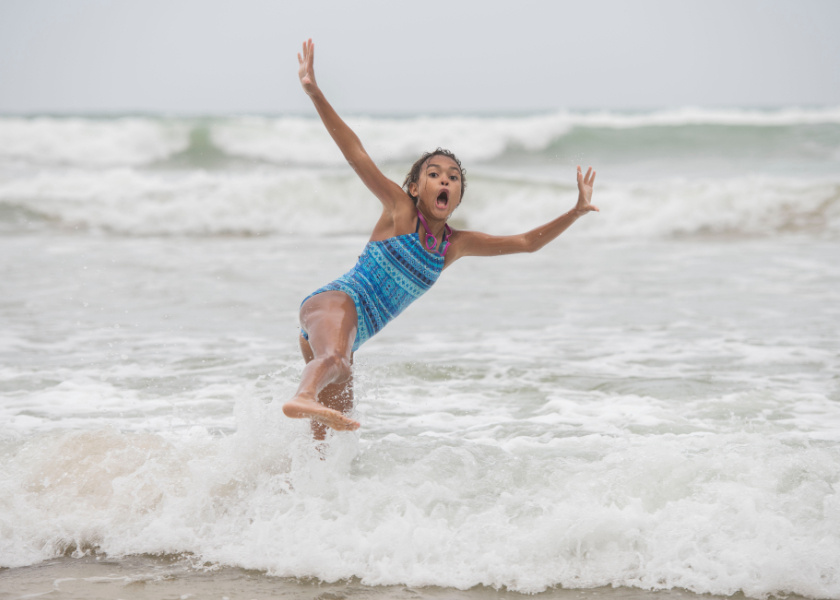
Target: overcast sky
x=222, y=56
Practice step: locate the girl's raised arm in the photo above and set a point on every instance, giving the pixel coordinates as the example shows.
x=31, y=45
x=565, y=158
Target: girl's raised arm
x=348, y=142
x=473, y=243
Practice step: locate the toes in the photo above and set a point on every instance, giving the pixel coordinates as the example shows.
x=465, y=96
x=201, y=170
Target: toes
x=338, y=421
x=346, y=424
x=326, y=416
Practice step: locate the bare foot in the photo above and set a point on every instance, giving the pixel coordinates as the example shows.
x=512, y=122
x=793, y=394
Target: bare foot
x=300, y=407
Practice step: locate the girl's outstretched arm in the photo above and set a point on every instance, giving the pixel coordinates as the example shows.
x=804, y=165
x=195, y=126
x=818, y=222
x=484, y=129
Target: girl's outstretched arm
x=473, y=243
x=348, y=142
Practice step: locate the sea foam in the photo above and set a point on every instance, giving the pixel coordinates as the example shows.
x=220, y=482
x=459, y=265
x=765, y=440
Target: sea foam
x=299, y=140
x=310, y=202
x=713, y=513
x=90, y=142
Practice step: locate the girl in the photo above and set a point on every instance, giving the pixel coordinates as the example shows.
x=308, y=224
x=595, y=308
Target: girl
x=409, y=247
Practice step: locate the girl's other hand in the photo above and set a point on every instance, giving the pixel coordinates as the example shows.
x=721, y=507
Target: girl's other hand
x=306, y=68
x=585, y=192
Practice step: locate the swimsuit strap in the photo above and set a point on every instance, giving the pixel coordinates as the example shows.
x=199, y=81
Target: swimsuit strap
x=444, y=243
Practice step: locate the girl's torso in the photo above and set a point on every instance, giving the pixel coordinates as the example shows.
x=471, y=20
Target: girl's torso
x=399, y=267
x=389, y=275
x=404, y=221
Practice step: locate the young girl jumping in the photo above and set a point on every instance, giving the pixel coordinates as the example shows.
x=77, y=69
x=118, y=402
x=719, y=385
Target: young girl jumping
x=409, y=247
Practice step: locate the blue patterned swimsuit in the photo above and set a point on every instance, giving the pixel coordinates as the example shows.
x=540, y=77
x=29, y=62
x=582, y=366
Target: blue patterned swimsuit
x=390, y=275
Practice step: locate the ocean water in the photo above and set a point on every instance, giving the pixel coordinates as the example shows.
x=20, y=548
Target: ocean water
x=648, y=406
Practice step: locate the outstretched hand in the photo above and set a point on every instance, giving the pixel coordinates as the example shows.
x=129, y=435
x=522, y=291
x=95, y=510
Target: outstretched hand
x=306, y=68
x=585, y=184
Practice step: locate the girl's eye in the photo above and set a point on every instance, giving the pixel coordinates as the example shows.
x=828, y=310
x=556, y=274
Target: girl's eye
x=453, y=177
x=432, y=174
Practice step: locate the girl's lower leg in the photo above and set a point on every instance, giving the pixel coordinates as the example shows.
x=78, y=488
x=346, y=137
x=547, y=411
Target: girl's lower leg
x=338, y=396
x=330, y=319
x=321, y=372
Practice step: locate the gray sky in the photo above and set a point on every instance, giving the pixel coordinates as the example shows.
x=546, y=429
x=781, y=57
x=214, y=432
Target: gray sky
x=219, y=56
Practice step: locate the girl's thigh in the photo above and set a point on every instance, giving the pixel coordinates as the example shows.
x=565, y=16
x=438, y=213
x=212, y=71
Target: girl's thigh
x=330, y=320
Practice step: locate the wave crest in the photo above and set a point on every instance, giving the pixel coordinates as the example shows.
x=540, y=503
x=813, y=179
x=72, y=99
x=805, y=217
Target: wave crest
x=302, y=202
x=133, y=141
x=91, y=142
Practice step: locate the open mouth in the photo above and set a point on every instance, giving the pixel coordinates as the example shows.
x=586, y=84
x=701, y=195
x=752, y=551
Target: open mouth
x=442, y=200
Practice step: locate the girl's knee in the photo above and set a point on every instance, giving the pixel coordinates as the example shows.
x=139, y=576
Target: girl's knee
x=341, y=363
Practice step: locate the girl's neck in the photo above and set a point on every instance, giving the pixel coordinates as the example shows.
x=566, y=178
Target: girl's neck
x=435, y=226
x=434, y=243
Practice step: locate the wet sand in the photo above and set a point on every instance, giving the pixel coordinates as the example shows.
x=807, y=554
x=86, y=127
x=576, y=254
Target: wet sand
x=154, y=577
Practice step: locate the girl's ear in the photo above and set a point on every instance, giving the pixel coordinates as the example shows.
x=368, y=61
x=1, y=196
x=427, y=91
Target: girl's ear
x=412, y=189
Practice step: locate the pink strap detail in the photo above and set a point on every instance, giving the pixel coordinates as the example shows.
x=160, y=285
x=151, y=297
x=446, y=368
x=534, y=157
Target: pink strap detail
x=445, y=245
x=447, y=231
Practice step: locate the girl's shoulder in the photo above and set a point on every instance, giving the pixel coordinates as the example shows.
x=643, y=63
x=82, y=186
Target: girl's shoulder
x=398, y=219
x=405, y=212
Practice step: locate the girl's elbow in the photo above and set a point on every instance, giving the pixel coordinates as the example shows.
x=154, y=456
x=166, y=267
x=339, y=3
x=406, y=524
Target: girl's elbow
x=531, y=245
x=353, y=161
x=357, y=159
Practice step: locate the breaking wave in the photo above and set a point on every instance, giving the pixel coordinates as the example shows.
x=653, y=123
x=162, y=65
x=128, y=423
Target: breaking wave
x=295, y=140
x=311, y=202
x=713, y=513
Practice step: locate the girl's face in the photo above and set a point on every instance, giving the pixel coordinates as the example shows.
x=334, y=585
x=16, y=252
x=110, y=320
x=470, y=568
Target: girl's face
x=438, y=188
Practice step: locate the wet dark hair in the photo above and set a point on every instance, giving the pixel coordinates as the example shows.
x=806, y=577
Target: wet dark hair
x=414, y=174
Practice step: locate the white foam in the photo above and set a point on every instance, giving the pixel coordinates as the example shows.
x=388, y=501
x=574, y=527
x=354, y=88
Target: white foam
x=196, y=202
x=295, y=140
x=710, y=116
x=91, y=142
x=314, y=203
x=613, y=414
x=713, y=513
x=299, y=140
x=752, y=205
x=305, y=141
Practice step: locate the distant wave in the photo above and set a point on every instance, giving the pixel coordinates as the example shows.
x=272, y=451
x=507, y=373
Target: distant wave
x=709, y=116
x=290, y=140
x=131, y=202
x=294, y=140
x=91, y=142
